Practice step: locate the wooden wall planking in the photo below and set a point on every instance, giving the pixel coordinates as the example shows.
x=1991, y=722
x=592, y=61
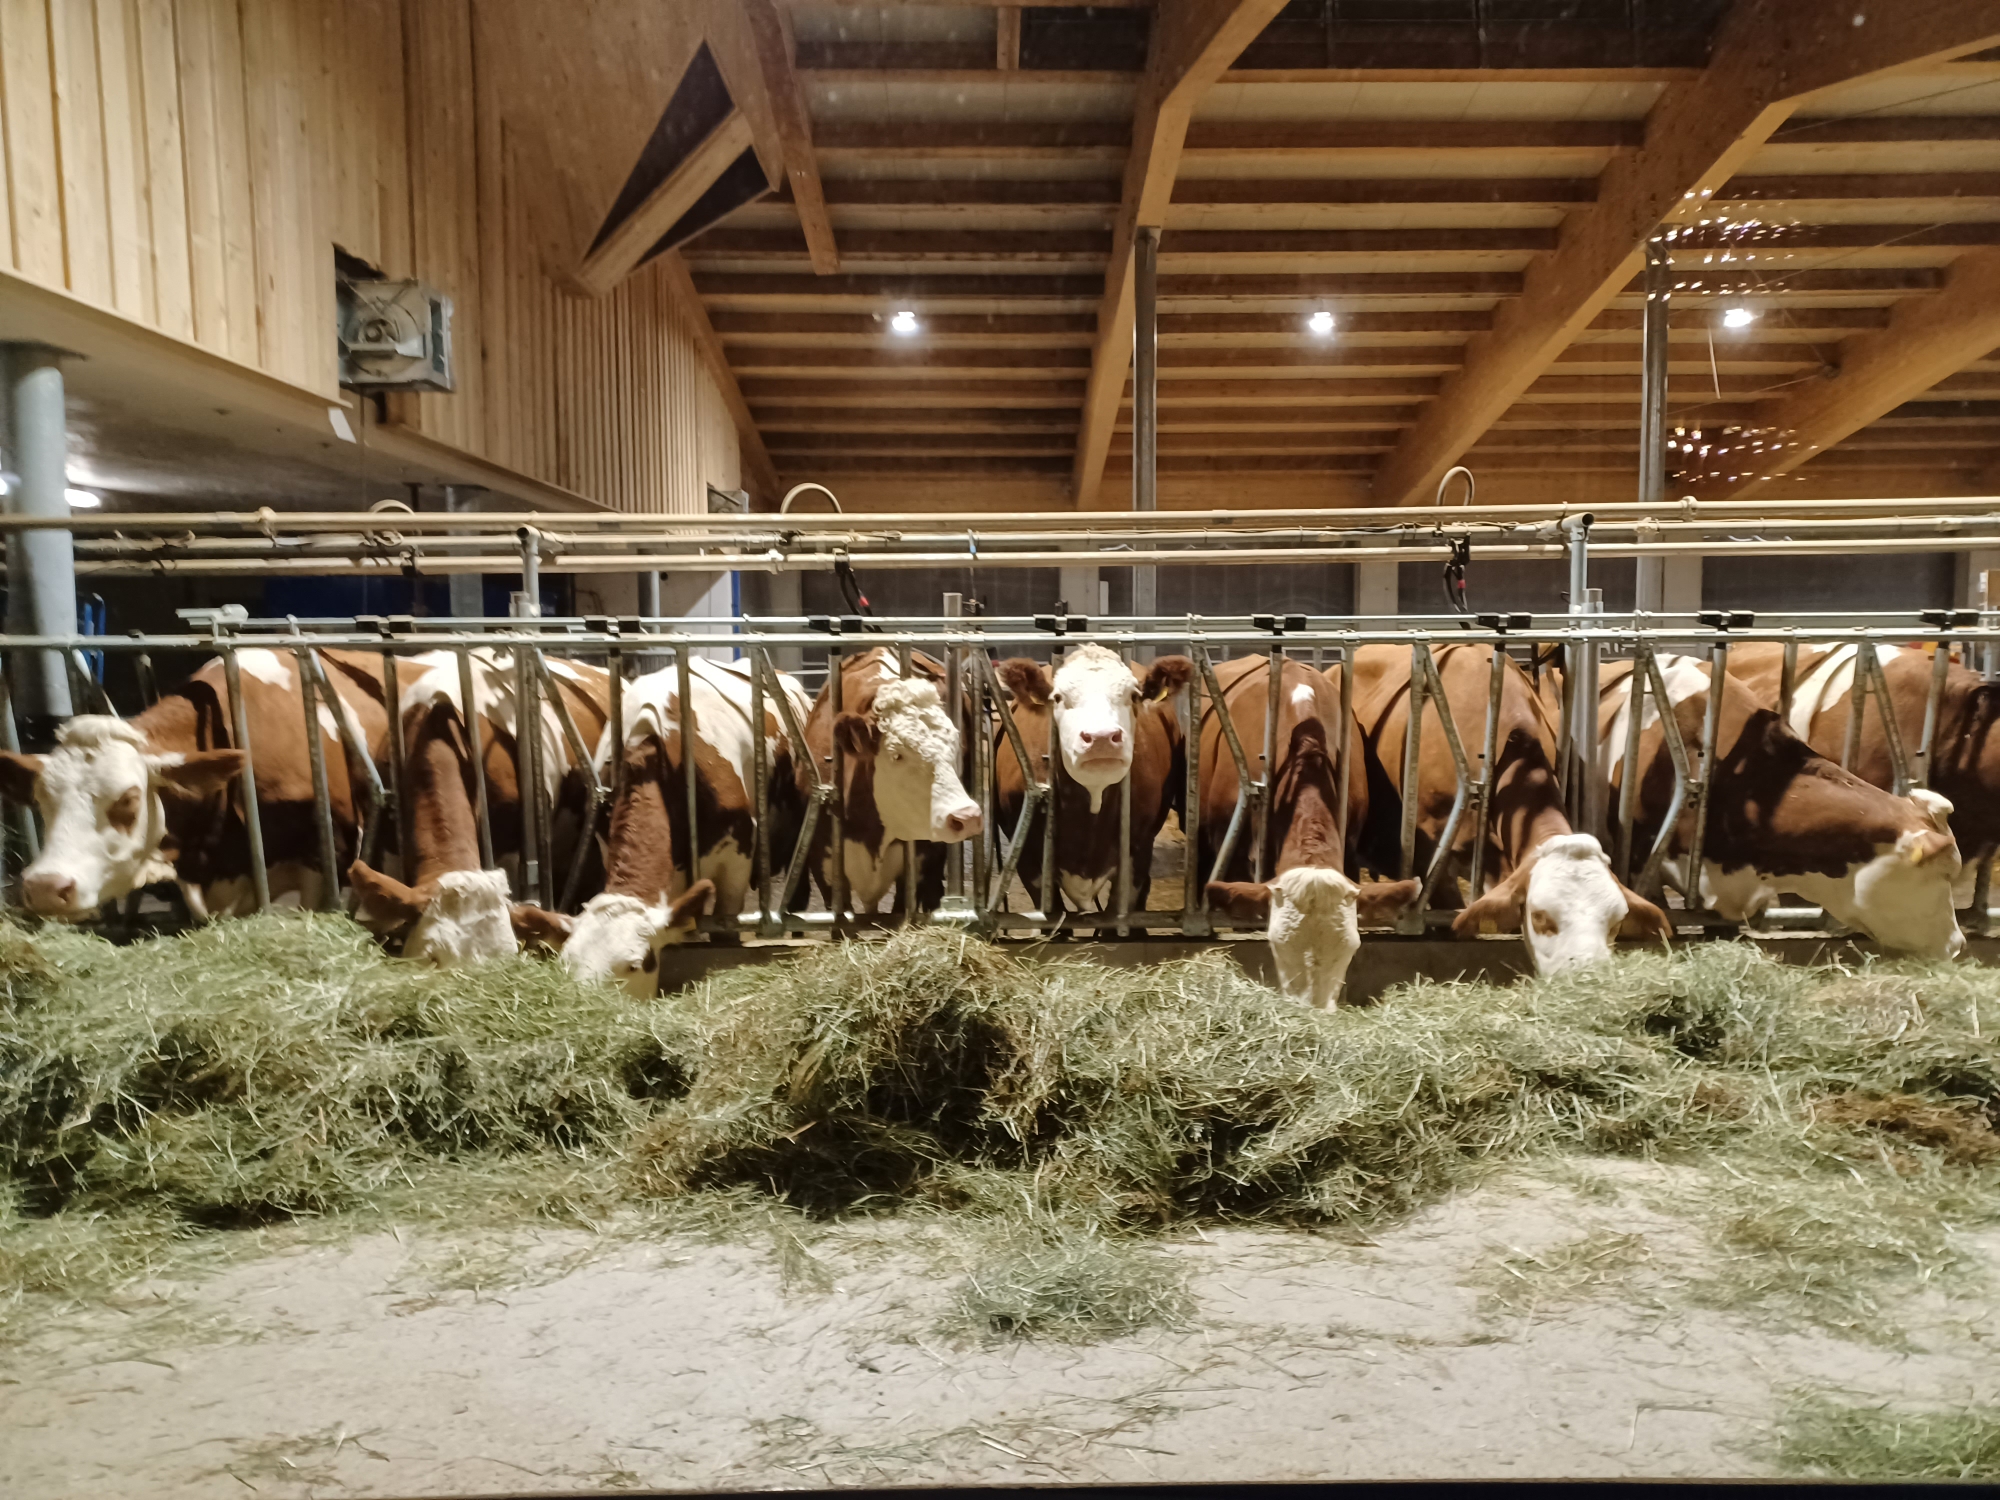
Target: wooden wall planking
x=191, y=164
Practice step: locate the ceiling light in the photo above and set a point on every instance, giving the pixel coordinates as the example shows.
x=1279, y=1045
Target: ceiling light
x=83, y=499
x=905, y=321
x=1321, y=323
x=1738, y=317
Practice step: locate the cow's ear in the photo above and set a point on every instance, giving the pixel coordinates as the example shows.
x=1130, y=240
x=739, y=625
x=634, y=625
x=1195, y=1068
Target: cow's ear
x=382, y=904
x=693, y=904
x=1499, y=910
x=1643, y=919
x=1027, y=680
x=18, y=774
x=856, y=734
x=1928, y=846
x=1167, y=676
x=1381, y=902
x=539, y=930
x=1936, y=809
x=1244, y=900
x=199, y=774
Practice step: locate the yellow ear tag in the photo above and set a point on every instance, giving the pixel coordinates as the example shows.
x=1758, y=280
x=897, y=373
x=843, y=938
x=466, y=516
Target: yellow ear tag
x=1916, y=854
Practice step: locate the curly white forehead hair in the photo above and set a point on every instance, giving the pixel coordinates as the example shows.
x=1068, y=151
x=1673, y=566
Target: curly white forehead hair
x=905, y=695
x=87, y=732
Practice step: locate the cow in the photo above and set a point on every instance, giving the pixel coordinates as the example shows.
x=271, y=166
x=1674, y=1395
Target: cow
x=1109, y=719
x=1965, y=759
x=1551, y=883
x=1784, y=818
x=128, y=803
x=1311, y=909
x=653, y=895
x=900, y=778
x=470, y=917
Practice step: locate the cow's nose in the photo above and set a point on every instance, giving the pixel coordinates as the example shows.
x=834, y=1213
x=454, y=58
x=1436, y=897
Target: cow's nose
x=966, y=822
x=1108, y=736
x=49, y=891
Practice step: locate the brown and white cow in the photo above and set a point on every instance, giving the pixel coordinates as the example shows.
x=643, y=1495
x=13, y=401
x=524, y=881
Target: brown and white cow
x=1965, y=762
x=446, y=909
x=1784, y=818
x=127, y=803
x=1108, y=719
x=1311, y=909
x=1552, y=884
x=653, y=893
x=900, y=778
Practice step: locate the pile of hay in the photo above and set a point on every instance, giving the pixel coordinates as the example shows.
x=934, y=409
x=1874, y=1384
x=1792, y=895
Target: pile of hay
x=281, y=1066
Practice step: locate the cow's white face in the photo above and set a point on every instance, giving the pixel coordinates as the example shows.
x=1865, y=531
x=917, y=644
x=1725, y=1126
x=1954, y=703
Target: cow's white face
x=1092, y=708
x=917, y=791
x=101, y=795
x=1574, y=904
x=466, y=921
x=617, y=939
x=1315, y=932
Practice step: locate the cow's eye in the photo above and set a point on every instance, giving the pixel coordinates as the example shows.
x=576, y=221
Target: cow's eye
x=124, y=813
x=650, y=962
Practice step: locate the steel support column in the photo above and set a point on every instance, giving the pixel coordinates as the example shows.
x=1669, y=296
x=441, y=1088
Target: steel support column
x=1145, y=410
x=41, y=565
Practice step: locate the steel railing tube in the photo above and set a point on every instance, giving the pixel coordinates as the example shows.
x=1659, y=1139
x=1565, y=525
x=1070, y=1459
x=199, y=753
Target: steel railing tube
x=910, y=846
x=253, y=818
x=1036, y=791
x=1670, y=733
x=1345, y=733
x=760, y=794
x=1927, y=745
x=1857, y=706
x=475, y=752
x=1628, y=776
x=329, y=896
x=392, y=700
x=1711, y=727
x=1194, y=904
x=835, y=690
x=1052, y=757
x=1244, y=793
x=527, y=774
x=1123, y=894
x=1412, y=760
x=354, y=746
x=594, y=793
x=1489, y=749
x=1262, y=856
x=1892, y=732
x=1788, y=682
x=690, y=782
x=1440, y=864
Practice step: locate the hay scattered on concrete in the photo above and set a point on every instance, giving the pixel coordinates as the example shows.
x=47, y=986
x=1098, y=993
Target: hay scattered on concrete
x=1839, y=1440
x=1066, y=1282
x=278, y=1069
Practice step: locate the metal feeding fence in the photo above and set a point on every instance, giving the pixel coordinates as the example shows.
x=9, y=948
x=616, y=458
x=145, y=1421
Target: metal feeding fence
x=981, y=875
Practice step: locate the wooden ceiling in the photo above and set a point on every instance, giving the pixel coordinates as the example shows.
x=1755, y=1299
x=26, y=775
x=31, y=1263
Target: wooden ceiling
x=1465, y=185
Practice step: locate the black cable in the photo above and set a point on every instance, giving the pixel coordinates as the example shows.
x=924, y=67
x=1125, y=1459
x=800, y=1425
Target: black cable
x=1454, y=574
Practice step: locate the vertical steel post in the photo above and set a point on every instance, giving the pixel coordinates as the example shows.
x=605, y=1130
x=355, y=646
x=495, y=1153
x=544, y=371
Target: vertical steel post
x=253, y=820
x=1788, y=682
x=1489, y=759
x=1857, y=707
x=1261, y=856
x=41, y=565
x=531, y=569
x=1145, y=408
x=1582, y=684
x=1193, y=919
x=615, y=723
x=836, y=830
x=982, y=770
x=1711, y=724
x=24, y=815
x=690, y=785
x=1052, y=754
x=954, y=690
x=1653, y=380
x=1346, y=736
x=1122, y=892
x=476, y=753
x=329, y=896
x=1628, y=781
x=392, y=699
x=1412, y=761
x=528, y=771
x=1940, y=665
x=903, y=666
x=760, y=769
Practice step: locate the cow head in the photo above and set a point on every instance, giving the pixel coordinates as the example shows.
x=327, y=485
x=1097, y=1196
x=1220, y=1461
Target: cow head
x=1092, y=703
x=1313, y=919
x=1567, y=906
x=1902, y=897
x=102, y=795
x=466, y=918
x=911, y=745
x=617, y=939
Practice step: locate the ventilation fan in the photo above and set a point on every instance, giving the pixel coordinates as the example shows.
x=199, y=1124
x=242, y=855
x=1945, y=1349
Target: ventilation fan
x=394, y=336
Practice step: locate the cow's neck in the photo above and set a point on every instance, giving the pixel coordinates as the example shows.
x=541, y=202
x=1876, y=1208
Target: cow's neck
x=1308, y=788
x=1968, y=764
x=1527, y=806
x=646, y=840
x=437, y=781
x=1778, y=807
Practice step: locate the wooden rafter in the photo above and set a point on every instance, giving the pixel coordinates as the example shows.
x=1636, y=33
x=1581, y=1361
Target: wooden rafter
x=1192, y=42
x=619, y=253
x=762, y=477
x=1928, y=340
x=775, y=47
x=1771, y=55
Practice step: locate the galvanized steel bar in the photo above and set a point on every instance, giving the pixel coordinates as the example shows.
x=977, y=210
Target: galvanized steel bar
x=909, y=882
x=1489, y=749
x=1194, y=917
x=329, y=898
x=1892, y=732
x=690, y=772
x=595, y=793
x=1628, y=777
x=1711, y=727
x=475, y=750
x=1670, y=733
x=528, y=773
x=760, y=794
x=1346, y=734
x=1412, y=763
x=1260, y=834
x=1227, y=724
x=1927, y=746
x=253, y=817
x=1441, y=859
x=392, y=701
x=1122, y=895
x=836, y=691
x=1788, y=682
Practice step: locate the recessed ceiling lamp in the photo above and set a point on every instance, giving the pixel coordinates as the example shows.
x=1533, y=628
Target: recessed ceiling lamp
x=1738, y=317
x=82, y=499
x=1321, y=323
x=904, y=322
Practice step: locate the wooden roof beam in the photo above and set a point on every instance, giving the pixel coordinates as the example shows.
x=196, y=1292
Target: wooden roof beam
x=618, y=254
x=1770, y=57
x=1192, y=42
x=1928, y=340
x=776, y=47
